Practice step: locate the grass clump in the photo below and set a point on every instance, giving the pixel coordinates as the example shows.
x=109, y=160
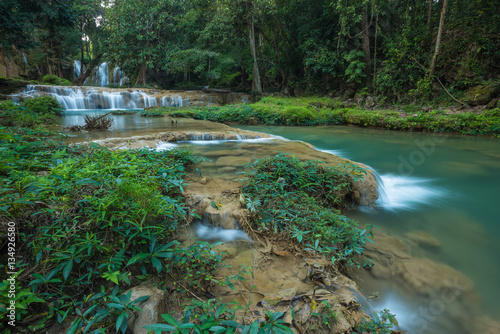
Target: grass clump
x=325, y=111
x=302, y=200
x=44, y=105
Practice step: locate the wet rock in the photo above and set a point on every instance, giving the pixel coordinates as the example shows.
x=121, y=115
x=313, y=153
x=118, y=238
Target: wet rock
x=226, y=216
x=227, y=169
x=287, y=294
x=232, y=161
x=225, y=135
x=272, y=299
x=493, y=103
x=423, y=276
x=369, y=102
x=151, y=309
x=222, y=153
x=482, y=94
x=423, y=239
x=386, y=247
x=486, y=325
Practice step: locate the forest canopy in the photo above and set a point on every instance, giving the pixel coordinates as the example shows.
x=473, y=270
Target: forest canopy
x=393, y=48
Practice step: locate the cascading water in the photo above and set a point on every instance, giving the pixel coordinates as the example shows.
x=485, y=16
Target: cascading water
x=77, y=68
x=101, y=77
x=25, y=62
x=78, y=98
x=119, y=77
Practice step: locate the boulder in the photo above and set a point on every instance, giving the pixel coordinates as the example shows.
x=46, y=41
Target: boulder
x=151, y=309
x=482, y=94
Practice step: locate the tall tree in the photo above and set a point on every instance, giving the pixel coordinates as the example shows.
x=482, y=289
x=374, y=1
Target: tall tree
x=141, y=33
x=256, y=83
x=438, y=38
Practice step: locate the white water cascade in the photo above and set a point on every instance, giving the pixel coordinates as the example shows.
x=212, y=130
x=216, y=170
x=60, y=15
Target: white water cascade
x=77, y=67
x=101, y=75
x=25, y=62
x=119, y=77
x=78, y=98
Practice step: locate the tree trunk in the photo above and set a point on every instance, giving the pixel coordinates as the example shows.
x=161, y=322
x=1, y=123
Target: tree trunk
x=141, y=77
x=366, y=45
x=81, y=61
x=256, y=83
x=438, y=39
x=429, y=15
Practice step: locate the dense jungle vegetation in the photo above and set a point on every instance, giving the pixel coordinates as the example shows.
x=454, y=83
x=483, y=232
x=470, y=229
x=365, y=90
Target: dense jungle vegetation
x=403, y=50
x=90, y=223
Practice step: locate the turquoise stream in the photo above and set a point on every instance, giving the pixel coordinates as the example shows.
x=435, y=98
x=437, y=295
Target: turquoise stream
x=446, y=186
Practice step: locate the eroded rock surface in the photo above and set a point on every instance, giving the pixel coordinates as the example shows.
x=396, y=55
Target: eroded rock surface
x=151, y=309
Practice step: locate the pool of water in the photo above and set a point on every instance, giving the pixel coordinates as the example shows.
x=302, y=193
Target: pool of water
x=130, y=125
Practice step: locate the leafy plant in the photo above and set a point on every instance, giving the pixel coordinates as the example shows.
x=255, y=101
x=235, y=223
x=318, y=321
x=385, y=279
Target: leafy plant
x=301, y=200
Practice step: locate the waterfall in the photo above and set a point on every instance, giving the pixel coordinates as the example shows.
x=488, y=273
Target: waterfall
x=25, y=62
x=171, y=101
x=77, y=66
x=77, y=98
x=119, y=77
x=102, y=75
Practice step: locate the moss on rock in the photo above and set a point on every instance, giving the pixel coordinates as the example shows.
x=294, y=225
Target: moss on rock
x=482, y=94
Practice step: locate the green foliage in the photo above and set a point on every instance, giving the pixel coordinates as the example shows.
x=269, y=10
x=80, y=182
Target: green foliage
x=379, y=323
x=44, y=105
x=324, y=111
x=10, y=86
x=113, y=216
x=43, y=113
x=301, y=200
x=355, y=71
x=51, y=79
x=212, y=316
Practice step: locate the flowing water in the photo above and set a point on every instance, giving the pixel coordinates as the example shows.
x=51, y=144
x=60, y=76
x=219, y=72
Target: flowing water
x=89, y=99
x=446, y=186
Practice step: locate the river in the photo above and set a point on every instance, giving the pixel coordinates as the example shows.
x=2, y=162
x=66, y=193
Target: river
x=447, y=187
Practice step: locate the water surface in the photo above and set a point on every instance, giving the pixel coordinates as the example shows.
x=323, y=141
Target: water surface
x=446, y=186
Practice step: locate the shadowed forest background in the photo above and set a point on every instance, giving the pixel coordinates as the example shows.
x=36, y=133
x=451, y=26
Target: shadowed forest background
x=393, y=49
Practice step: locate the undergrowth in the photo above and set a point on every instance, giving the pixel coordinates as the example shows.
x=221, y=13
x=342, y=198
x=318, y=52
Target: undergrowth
x=302, y=201
x=325, y=111
x=30, y=113
x=90, y=224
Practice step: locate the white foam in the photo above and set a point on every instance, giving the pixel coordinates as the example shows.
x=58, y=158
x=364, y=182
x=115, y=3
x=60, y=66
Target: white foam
x=219, y=234
x=339, y=153
x=405, y=192
x=162, y=146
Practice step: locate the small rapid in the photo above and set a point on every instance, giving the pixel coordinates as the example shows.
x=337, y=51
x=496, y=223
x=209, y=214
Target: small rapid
x=407, y=193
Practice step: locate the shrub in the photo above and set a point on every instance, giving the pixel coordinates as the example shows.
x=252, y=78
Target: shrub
x=301, y=201
x=51, y=79
x=12, y=114
x=44, y=105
